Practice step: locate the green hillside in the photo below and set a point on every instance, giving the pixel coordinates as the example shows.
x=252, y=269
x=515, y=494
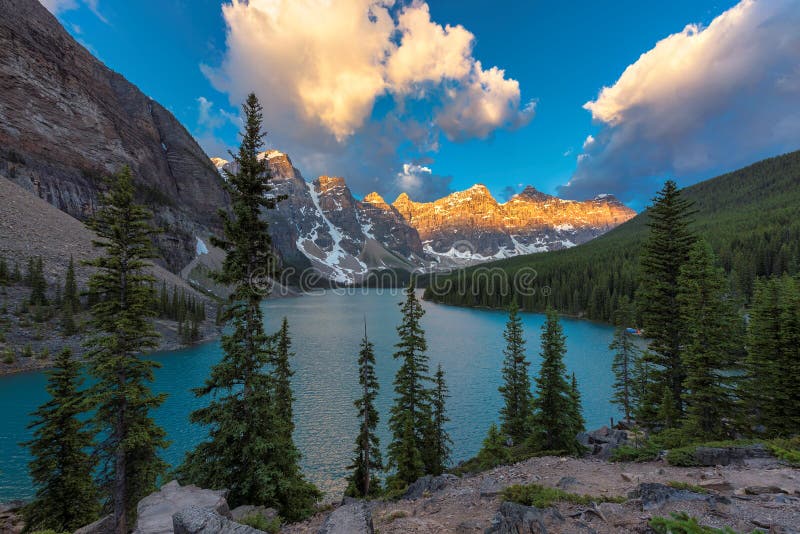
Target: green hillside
x=750, y=216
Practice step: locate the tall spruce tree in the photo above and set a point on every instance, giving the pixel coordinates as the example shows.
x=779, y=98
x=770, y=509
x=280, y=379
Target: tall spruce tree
x=626, y=354
x=250, y=450
x=282, y=371
x=663, y=254
x=515, y=415
x=554, y=424
x=437, y=450
x=411, y=415
x=712, y=342
x=772, y=379
x=37, y=282
x=71, y=287
x=363, y=481
x=123, y=401
x=577, y=421
x=61, y=469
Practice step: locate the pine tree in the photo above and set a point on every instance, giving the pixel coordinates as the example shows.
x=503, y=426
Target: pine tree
x=494, y=451
x=436, y=451
x=16, y=276
x=516, y=389
x=250, y=450
x=129, y=451
x=66, y=496
x=4, y=273
x=283, y=373
x=367, y=460
x=71, y=287
x=68, y=327
x=163, y=301
x=712, y=334
x=626, y=354
x=554, y=424
x=37, y=282
x=663, y=253
x=577, y=422
x=411, y=413
x=772, y=380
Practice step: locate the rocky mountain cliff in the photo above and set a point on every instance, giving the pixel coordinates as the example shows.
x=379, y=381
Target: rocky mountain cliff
x=322, y=225
x=67, y=121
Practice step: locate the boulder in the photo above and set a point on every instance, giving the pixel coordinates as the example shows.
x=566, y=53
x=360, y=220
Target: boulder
x=154, y=512
x=709, y=456
x=514, y=518
x=196, y=520
x=567, y=483
x=104, y=525
x=354, y=518
x=654, y=496
x=428, y=484
x=603, y=441
x=490, y=487
x=248, y=510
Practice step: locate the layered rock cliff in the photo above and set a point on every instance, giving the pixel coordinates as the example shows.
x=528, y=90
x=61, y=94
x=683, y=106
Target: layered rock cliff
x=67, y=121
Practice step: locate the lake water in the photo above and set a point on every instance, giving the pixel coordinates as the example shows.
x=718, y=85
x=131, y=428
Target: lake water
x=327, y=330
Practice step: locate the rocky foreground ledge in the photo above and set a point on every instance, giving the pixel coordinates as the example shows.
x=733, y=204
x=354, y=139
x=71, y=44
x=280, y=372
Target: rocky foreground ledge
x=751, y=494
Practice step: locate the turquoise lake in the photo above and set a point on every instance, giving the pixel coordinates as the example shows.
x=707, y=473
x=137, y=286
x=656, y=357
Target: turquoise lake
x=327, y=330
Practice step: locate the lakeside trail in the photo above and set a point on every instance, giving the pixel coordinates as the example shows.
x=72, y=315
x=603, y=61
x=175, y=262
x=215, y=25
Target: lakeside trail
x=760, y=495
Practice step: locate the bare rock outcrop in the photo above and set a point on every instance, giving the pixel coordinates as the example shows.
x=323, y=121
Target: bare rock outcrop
x=154, y=513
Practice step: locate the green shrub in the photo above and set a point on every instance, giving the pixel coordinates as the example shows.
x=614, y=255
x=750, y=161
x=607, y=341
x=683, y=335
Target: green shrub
x=44, y=354
x=677, y=484
x=543, y=496
x=683, y=524
x=27, y=351
x=682, y=456
x=787, y=450
x=645, y=452
x=259, y=522
x=8, y=357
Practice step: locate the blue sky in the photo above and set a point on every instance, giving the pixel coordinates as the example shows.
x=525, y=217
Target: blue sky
x=424, y=133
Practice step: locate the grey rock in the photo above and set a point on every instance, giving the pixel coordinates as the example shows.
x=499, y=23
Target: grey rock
x=154, y=512
x=194, y=520
x=490, y=487
x=514, y=518
x=709, y=456
x=654, y=496
x=469, y=526
x=763, y=490
x=566, y=483
x=429, y=484
x=352, y=518
x=104, y=525
x=247, y=510
x=602, y=442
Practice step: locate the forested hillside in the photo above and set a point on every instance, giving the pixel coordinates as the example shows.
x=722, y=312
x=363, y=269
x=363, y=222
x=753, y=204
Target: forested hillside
x=751, y=217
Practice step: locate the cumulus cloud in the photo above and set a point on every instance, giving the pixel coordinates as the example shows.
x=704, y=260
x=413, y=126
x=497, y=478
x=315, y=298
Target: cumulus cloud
x=320, y=67
x=704, y=100
x=210, y=119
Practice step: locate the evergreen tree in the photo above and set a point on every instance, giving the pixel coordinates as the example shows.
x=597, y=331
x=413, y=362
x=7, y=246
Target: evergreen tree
x=37, y=282
x=163, y=306
x=554, y=424
x=494, y=451
x=772, y=381
x=626, y=354
x=712, y=334
x=283, y=374
x=436, y=452
x=363, y=482
x=68, y=327
x=123, y=401
x=71, y=287
x=16, y=276
x=577, y=422
x=4, y=272
x=516, y=389
x=663, y=253
x=411, y=413
x=250, y=450
x=61, y=469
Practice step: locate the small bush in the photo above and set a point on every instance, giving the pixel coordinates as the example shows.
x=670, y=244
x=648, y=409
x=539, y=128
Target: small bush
x=677, y=484
x=392, y=516
x=682, y=456
x=259, y=522
x=646, y=452
x=683, y=524
x=8, y=357
x=543, y=496
x=787, y=450
x=44, y=354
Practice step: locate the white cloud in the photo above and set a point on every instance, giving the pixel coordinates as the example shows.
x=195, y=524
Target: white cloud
x=209, y=120
x=60, y=6
x=701, y=101
x=587, y=144
x=320, y=66
x=419, y=182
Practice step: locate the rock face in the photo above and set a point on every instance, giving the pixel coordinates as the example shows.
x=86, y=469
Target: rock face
x=514, y=518
x=322, y=225
x=654, y=496
x=428, y=484
x=66, y=121
x=154, y=512
x=710, y=456
x=602, y=442
x=196, y=520
x=353, y=518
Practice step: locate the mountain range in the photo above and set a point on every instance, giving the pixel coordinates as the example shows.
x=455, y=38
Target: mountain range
x=323, y=225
